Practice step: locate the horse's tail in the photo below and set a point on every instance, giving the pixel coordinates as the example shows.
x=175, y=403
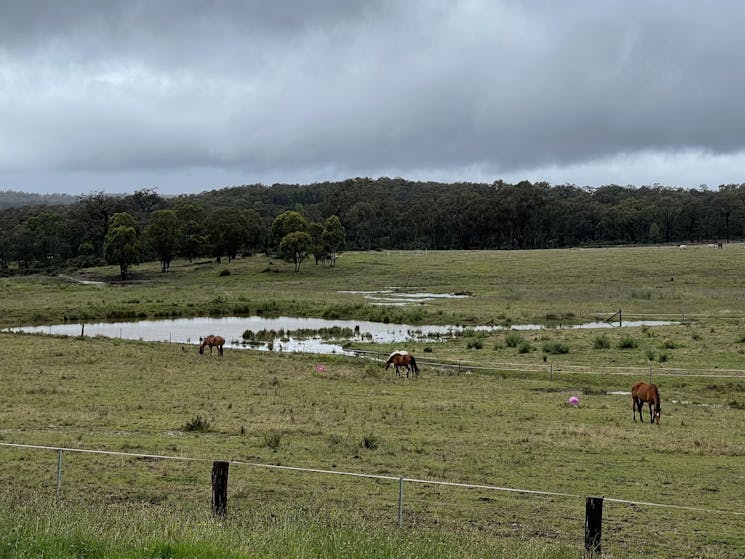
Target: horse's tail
x=414, y=366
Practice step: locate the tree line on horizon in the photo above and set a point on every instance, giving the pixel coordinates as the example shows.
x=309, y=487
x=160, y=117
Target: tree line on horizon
x=361, y=214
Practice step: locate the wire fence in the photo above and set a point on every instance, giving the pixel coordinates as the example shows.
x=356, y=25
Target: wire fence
x=550, y=368
x=403, y=500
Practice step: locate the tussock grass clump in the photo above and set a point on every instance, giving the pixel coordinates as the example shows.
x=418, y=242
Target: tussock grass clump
x=555, y=347
x=370, y=441
x=513, y=339
x=628, y=342
x=474, y=344
x=272, y=440
x=197, y=424
x=601, y=342
x=374, y=371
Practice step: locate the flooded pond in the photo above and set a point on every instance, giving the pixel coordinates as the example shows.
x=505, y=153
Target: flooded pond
x=286, y=334
x=394, y=297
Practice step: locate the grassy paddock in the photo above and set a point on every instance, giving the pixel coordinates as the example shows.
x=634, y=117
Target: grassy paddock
x=507, y=287
x=504, y=429
x=39, y=528
x=501, y=426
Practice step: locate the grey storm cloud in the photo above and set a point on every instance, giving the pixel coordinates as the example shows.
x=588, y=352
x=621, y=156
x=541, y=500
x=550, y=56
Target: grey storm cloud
x=258, y=91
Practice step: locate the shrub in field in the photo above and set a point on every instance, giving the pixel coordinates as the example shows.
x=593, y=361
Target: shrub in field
x=555, y=347
x=524, y=347
x=272, y=440
x=627, y=342
x=197, y=424
x=601, y=342
x=474, y=344
x=224, y=273
x=513, y=339
x=370, y=441
x=373, y=370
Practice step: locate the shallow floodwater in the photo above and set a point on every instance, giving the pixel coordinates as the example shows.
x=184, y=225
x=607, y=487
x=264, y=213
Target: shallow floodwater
x=189, y=330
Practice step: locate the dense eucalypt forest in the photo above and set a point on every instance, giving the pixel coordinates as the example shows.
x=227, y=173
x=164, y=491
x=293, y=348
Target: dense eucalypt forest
x=321, y=220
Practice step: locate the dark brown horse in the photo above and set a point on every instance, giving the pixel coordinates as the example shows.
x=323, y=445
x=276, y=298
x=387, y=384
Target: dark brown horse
x=402, y=359
x=642, y=393
x=212, y=341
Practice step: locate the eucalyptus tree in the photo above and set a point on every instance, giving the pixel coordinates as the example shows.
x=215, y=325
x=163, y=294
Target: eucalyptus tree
x=22, y=245
x=317, y=248
x=287, y=222
x=333, y=238
x=225, y=232
x=162, y=235
x=46, y=228
x=254, y=230
x=91, y=217
x=122, y=244
x=294, y=247
x=191, y=224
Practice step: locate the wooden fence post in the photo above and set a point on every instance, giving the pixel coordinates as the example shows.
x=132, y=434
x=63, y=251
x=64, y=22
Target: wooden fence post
x=220, y=487
x=593, y=525
x=400, y=502
x=59, y=473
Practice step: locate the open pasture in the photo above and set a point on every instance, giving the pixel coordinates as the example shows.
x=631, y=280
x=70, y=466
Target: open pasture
x=507, y=425
x=504, y=429
x=506, y=287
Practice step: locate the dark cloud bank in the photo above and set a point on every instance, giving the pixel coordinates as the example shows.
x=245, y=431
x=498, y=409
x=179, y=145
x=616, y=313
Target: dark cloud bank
x=190, y=95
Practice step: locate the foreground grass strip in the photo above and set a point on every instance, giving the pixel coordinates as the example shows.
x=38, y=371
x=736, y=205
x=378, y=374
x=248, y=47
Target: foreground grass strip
x=36, y=529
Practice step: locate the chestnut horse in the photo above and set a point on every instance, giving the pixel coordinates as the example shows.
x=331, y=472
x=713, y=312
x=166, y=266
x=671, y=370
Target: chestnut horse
x=402, y=359
x=642, y=393
x=212, y=341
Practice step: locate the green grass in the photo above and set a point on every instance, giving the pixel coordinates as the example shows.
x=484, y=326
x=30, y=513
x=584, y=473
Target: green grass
x=40, y=529
x=500, y=427
x=505, y=429
x=507, y=287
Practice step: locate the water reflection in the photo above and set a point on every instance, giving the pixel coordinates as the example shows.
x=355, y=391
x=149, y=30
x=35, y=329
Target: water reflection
x=287, y=337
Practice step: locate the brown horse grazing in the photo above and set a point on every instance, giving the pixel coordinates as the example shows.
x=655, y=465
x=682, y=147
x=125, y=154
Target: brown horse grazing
x=402, y=359
x=642, y=393
x=212, y=341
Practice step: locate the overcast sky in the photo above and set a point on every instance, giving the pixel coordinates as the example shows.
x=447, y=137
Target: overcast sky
x=192, y=95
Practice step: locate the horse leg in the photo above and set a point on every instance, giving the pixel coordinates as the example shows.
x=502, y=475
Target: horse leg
x=651, y=413
x=633, y=408
x=640, y=408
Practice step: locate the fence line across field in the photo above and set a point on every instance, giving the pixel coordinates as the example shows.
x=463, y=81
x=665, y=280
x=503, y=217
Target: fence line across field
x=550, y=368
x=369, y=476
x=593, y=505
